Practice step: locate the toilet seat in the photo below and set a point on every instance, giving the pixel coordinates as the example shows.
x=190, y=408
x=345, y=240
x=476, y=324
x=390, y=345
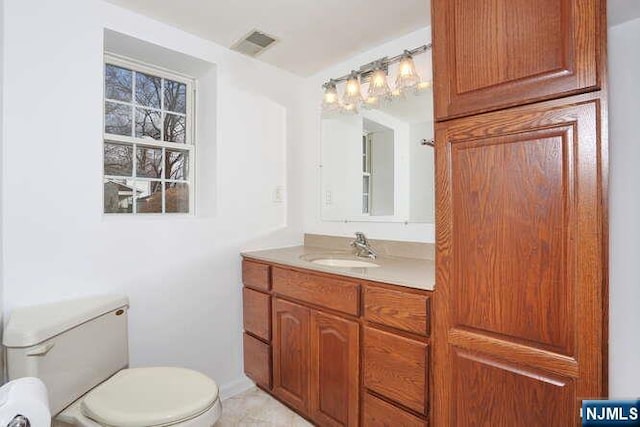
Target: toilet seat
x=144, y=397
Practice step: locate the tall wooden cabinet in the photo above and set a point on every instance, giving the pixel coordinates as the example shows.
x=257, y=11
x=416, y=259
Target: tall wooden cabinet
x=520, y=316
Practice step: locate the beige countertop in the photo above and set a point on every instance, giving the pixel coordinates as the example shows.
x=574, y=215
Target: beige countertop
x=408, y=272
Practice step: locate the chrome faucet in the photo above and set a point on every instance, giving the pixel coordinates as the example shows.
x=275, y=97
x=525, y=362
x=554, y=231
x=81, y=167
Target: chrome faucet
x=362, y=247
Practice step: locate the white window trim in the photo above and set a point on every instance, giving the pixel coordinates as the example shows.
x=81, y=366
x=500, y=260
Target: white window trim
x=190, y=133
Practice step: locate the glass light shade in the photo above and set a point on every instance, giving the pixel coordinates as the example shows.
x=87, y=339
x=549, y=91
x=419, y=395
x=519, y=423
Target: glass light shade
x=378, y=86
x=407, y=75
x=352, y=91
x=349, y=109
x=425, y=85
x=330, y=101
x=371, y=102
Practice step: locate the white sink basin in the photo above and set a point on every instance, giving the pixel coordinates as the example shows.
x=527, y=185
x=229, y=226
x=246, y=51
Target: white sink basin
x=338, y=261
x=333, y=262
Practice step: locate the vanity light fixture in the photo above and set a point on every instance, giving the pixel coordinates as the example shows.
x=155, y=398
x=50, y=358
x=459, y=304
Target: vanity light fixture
x=375, y=74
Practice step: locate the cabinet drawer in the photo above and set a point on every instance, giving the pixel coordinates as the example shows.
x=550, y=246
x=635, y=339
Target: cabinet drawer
x=378, y=413
x=396, y=367
x=396, y=308
x=257, y=313
x=257, y=361
x=324, y=291
x=256, y=275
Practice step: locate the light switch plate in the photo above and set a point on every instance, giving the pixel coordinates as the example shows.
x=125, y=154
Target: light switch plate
x=279, y=194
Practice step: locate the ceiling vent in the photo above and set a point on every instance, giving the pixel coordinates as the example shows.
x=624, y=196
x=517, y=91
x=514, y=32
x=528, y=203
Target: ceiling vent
x=254, y=43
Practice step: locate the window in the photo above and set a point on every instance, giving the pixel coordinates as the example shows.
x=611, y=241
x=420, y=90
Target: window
x=366, y=174
x=149, y=145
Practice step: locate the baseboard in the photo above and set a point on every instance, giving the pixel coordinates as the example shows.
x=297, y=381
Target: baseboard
x=236, y=387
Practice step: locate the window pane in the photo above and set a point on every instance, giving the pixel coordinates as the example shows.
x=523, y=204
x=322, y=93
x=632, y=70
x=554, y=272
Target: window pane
x=148, y=90
x=177, y=164
x=177, y=197
x=118, y=196
x=118, y=159
x=149, y=197
x=147, y=124
x=175, y=96
x=174, y=128
x=117, y=83
x=117, y=118
x=149, y=162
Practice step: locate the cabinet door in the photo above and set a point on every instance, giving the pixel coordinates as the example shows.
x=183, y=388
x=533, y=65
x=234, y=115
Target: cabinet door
x=521, y=265
x=491, y=54
x=291, y=353
x=334, y=370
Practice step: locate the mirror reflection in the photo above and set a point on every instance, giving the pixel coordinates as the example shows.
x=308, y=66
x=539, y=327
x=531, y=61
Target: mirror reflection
x=376, y=164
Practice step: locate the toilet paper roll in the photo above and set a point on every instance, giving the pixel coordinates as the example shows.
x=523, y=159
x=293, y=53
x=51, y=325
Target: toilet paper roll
x=27, y=397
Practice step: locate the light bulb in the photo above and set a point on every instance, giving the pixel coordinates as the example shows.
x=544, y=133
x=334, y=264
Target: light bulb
x=352, y=92
x=408, y=77
x=330, y=101
x=371, y=102
x=349, y=109
x=425, y=85
x=378, y=86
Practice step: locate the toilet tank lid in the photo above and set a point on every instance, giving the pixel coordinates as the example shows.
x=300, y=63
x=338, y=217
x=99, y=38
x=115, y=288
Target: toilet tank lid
x=32, y=325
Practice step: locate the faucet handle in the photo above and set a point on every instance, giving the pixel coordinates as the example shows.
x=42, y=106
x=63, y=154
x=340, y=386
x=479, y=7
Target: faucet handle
x=361, y=237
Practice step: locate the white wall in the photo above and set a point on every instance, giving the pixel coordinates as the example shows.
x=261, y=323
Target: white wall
x=422, y=167
x=624, y=205
x=182, y=274
x=310, y=154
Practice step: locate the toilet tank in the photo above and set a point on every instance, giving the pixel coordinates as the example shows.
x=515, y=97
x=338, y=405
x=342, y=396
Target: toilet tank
x=72, y=346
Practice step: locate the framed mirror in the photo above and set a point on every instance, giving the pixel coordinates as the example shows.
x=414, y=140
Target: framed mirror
x=377, y=164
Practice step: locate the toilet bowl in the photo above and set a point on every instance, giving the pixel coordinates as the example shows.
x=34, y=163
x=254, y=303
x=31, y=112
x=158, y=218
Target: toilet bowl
x=159, y=396
x=79, y=349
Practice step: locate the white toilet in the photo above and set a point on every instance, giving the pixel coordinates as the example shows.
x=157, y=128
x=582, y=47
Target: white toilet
x=79, y=349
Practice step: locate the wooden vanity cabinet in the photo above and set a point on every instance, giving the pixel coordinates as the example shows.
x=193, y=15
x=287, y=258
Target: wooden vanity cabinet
x=346, y=352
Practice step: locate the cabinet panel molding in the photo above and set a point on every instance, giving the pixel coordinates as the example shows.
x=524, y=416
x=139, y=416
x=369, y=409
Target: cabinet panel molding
x=516, y=396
